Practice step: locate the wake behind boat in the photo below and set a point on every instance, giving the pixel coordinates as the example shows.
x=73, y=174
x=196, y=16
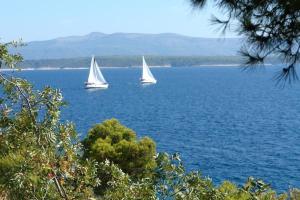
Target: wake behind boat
x=95, y=79
x=147, y=76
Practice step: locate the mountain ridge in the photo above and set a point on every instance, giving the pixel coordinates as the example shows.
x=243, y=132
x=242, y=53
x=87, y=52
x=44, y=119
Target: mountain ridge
x=102, y=44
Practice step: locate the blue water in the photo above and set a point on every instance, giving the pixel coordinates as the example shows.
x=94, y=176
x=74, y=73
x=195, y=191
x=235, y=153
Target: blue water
x=227, y=123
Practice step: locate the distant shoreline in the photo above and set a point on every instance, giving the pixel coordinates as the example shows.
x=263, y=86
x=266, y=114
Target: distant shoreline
x=85, y=68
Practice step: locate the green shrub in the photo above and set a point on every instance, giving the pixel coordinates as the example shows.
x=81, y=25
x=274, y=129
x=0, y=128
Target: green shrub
x=121, y=186
x=39, y=156
x=119, y=144
x=114, y=142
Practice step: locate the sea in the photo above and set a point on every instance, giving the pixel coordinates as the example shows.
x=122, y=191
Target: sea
x=227, y=123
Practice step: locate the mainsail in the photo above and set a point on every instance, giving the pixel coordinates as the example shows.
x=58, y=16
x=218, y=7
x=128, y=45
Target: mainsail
x=147, y=76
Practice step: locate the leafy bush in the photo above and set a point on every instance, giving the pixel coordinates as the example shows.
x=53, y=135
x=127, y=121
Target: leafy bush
x=121, y=186
x=117, y=143
x=114, y=142
x=39, y=156
x=173, y=182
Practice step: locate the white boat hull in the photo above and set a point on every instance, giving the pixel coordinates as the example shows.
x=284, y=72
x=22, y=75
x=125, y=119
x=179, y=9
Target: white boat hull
x=95, y=85
x=148, y=81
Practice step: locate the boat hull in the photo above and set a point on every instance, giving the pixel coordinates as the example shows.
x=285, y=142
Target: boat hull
x=91, y=86
x=148, y=81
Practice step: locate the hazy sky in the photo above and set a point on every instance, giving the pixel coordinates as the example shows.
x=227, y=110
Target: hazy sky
x=47, y=19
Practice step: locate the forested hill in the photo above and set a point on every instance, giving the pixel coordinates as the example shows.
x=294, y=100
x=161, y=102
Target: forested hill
x=124, y=44
x=131, y=61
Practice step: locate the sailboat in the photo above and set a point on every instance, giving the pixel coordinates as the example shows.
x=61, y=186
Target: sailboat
x=95, y=79
x=147, y=76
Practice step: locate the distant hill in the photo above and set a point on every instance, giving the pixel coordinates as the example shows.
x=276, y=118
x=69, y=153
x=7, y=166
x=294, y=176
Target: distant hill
x=127, y=44
x=132, y=61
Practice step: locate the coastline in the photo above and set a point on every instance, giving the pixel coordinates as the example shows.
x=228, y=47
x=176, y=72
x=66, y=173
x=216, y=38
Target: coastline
x=85, y=68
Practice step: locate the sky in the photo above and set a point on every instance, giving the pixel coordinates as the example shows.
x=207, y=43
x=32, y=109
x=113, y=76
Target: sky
x=34, y=20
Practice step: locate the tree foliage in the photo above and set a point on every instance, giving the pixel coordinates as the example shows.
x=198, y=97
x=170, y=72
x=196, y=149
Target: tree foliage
x=132, y=61
x=114, y=142
x=172, y=181
x=39, y=156
x=271, y=27
x=122, y=186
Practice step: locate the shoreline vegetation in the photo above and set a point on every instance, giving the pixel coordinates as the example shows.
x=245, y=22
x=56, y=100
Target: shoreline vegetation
x=126, y=67
x=135, y=61
x=86, y=68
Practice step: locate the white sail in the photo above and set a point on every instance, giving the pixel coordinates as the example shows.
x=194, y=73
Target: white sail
x=95, y=79
x=91, y=78
x=147, y=76
x=99, y=75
